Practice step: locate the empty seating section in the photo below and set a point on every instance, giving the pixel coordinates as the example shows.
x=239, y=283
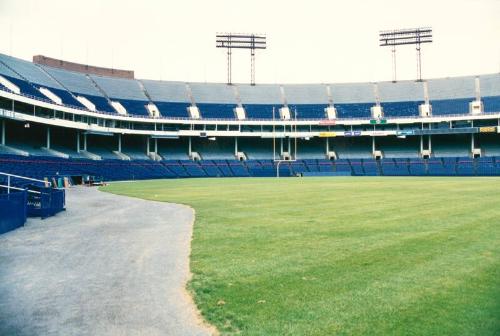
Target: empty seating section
x=220, y=149
x=342, y=165
x=490, y=92
x=392, y=147
x=307, y=111
x=80, y=85
x=111, y=169
x=224, y=168
x=75, y=82
x=26, y=88
x=173, y=110
x=238, y=169
x=126, y=91
x=120, y=88
x=194, y=169
x=355, y=147
x=214, y=100
x=451, y=95
x=395, y=167
x=441, y=167
x=401, y=109
x=259, y=100
x=451, y=146
x=353, y=110
x=486, y=166
x=491, y=104
x=216, y=111
x=67, y=98
x=327, y=166
x=356, y=166
x=465, y=166
x=262, y=111
x=451, y=106
x=136, y=107
x=29, y=71
x=171, y=98
x=211, y=169
x=308, y=101
x=353, y=100
x=371, y=167
x=417, y=167
x=401, y=99
x=311, y=149
x=311, y=165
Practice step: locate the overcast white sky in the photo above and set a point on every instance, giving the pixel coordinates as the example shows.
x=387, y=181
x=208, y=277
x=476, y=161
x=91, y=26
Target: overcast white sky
x=308, y=41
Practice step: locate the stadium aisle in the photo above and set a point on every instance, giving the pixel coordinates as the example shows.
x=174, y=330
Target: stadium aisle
x=109, y=265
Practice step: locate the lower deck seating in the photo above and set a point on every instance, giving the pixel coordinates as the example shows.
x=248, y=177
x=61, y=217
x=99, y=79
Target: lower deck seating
x=395, y=167
x=113, y=170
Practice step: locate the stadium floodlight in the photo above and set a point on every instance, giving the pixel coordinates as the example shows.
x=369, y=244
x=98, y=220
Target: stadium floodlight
x=232, y=41
x=413, y=36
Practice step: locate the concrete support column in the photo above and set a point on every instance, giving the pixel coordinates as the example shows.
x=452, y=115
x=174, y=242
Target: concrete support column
x=3, y=132
x=472, y=142
x=48, y=138
x=430, y=143
x=85, y=141
x=421, y=143
x=119, y=143
x=373, y=144
x=189, y=146
x=327, y=145
x=281, y=146
x=156, y=145
x=235, y=146
x=148, y=140
x=78, y=142
x=289, y=149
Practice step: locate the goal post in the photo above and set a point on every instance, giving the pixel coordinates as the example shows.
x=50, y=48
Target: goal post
x=293, y=157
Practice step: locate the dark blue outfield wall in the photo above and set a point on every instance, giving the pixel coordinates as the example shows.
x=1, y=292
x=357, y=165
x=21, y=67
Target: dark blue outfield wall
x=13, y=210
x=115, y=170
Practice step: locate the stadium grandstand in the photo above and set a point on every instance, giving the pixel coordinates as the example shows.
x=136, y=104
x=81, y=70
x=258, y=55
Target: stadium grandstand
x=142, y=193
x=57, y=122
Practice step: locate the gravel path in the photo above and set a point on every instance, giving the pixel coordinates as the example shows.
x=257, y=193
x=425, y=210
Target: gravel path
x=109, y=265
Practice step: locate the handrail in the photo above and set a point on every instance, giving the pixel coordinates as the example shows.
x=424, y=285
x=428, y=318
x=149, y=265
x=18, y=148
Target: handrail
x=9, y=176
x=22, y=177
x=20, y=189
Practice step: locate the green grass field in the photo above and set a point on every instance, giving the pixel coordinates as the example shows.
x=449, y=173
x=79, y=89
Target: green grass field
x=346, y=256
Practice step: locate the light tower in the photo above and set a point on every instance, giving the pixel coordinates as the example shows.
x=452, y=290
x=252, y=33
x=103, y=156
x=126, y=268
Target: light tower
x=232, y=41
x=414, y=36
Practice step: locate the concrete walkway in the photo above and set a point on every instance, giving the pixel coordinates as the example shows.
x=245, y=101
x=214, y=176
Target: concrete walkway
x=109, y=265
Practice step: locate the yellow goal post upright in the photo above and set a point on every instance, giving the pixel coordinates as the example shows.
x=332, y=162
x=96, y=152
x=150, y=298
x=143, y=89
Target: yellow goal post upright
x=293, y=130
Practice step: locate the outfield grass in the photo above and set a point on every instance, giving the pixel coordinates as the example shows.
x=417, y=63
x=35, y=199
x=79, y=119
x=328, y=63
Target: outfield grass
x=327, y=256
